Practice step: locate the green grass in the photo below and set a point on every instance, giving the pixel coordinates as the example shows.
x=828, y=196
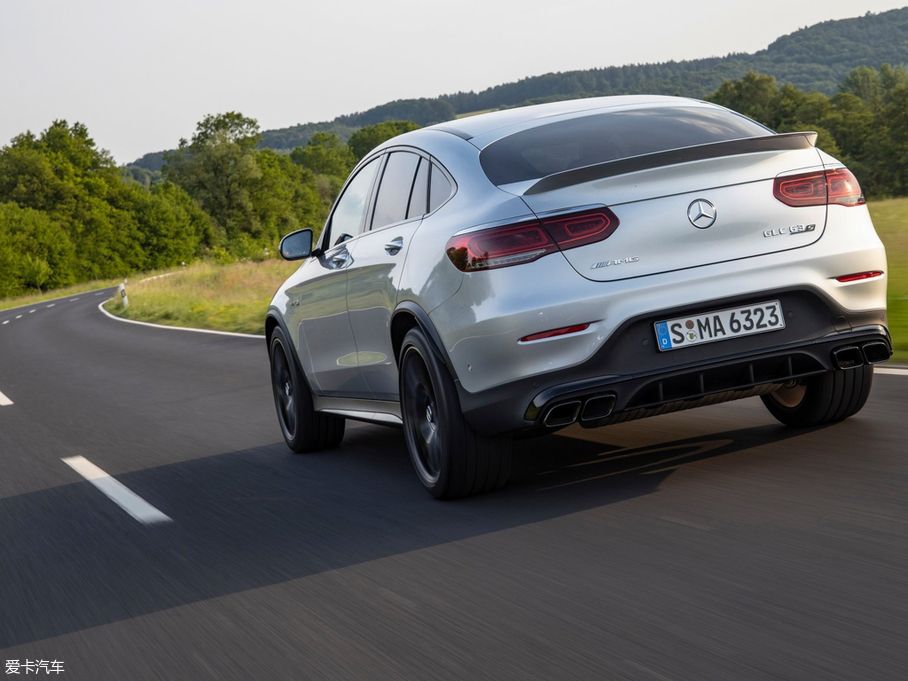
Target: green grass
x=891, y=221
x=207, y=296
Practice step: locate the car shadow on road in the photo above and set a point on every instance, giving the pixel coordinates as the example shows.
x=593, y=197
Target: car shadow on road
x=71, y=560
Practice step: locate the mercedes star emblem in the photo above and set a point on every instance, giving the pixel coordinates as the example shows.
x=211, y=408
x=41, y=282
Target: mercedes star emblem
x=701, y=213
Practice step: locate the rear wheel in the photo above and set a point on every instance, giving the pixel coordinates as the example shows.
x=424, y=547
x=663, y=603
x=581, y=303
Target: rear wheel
x=826, y=398
x=450, y=458
x=304, y=429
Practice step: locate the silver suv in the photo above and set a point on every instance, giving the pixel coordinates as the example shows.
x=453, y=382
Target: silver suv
x=590, y=262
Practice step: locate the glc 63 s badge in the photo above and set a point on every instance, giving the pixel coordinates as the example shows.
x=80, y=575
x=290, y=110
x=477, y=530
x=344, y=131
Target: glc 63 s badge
x=793, y=229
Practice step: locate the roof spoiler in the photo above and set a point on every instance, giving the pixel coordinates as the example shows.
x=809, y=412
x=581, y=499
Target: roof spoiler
x=750, y=145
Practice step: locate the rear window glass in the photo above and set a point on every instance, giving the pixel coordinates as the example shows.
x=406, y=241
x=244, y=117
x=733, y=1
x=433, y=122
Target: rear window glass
x=589, y=140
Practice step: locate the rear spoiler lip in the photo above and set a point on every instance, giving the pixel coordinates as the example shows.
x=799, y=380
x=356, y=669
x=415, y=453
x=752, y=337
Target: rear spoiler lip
x=749, y=145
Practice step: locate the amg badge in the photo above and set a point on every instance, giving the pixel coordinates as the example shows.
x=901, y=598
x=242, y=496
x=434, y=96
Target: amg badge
x=609, y=263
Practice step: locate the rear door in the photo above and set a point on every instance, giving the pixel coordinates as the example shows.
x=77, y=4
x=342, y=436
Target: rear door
x=401, y=201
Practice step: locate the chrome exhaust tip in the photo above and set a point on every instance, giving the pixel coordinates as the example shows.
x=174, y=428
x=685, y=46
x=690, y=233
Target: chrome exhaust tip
x=597, y=407
x=848, y=357
x=875, y=352
x=563, y=414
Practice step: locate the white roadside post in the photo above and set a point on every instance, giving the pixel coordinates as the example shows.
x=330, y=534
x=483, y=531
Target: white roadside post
x=123, y=294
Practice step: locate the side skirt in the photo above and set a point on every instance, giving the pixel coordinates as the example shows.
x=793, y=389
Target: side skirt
x=372, y=411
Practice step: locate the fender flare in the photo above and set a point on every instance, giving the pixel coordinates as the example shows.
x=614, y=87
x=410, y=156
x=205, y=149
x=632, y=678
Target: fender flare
x=412, y=309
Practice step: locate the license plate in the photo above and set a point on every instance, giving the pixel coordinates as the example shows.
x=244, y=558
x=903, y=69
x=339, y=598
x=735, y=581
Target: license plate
x=683, y=332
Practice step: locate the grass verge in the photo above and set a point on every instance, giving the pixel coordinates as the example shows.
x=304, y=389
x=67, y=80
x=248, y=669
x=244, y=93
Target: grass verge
x=891, y=221
x=207, y=296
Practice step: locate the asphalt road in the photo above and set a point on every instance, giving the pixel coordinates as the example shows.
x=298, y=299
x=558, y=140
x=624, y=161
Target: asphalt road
x=712, y=544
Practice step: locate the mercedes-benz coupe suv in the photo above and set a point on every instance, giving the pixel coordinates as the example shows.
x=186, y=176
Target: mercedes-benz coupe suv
x=590, y=262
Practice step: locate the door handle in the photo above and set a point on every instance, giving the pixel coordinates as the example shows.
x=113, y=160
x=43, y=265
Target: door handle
x=393, y=247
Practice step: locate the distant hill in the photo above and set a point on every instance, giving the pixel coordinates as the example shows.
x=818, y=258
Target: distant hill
x=813, y=58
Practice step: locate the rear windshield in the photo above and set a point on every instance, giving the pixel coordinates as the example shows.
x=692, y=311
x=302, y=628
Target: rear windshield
x=588, y=140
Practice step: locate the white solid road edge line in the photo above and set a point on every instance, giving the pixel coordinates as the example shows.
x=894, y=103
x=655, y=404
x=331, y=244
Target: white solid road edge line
x=892, y=371
x=4, y=400
x=116, y=491
x=179, y=328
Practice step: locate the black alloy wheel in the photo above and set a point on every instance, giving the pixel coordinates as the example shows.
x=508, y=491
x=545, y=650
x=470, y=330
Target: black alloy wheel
x=450, y=458
x=304, y=429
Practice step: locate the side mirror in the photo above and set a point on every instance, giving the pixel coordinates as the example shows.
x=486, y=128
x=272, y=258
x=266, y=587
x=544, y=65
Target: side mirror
x=297, y=245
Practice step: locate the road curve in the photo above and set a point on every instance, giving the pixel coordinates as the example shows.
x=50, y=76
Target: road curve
x=712, y=544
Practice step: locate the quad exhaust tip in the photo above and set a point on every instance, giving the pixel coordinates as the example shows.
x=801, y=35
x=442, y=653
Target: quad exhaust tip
x=597, y=407
x=847, y=357
x=851, y=356
x=875, y=352
x=562, y=415
x=587, y=410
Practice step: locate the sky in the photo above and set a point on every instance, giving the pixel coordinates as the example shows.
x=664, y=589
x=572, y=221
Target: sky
x=140, y=75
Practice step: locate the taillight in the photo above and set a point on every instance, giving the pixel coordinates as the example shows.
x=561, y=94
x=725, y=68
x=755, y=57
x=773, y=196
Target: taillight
x=580, y=229
x=843, y=188
x=528, y=241
x=819, y=188
x=500, y=247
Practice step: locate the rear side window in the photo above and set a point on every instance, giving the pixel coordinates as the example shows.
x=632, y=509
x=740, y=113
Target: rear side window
x=394, y=192
x=419, y=199
x=589, y=140
x=439, y=188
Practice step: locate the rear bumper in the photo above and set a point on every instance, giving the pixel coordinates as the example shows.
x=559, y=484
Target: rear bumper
x=629, y=378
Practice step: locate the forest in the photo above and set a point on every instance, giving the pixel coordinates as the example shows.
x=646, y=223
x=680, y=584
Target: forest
x=69, y=214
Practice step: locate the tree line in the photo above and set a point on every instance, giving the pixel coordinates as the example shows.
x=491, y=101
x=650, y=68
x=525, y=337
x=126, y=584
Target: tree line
x=864, y=125
x=69, y=214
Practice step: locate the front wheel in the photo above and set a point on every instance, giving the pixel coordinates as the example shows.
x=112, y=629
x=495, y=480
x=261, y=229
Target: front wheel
x=826, y=398
x=304, y=429
x=450, y=458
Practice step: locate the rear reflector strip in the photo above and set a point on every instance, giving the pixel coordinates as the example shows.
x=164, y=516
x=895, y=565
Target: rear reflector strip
x=563, y=331
x=845, y=278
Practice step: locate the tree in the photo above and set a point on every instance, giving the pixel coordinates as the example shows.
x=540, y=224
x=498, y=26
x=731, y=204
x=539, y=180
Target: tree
x=325, y=154
x=217, y=168
x=69, y=214
x=752, y=96
x=366, y=139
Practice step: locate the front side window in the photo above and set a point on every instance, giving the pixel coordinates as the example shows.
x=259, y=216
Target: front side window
x=347, y=220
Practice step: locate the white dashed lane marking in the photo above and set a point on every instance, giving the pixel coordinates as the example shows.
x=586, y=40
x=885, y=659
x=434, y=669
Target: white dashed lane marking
x=4, y=400
x=117, y=492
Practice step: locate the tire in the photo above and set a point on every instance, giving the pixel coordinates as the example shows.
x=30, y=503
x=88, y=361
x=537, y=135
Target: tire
x=826, y=398
x=450, y=458
x=304, y=429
